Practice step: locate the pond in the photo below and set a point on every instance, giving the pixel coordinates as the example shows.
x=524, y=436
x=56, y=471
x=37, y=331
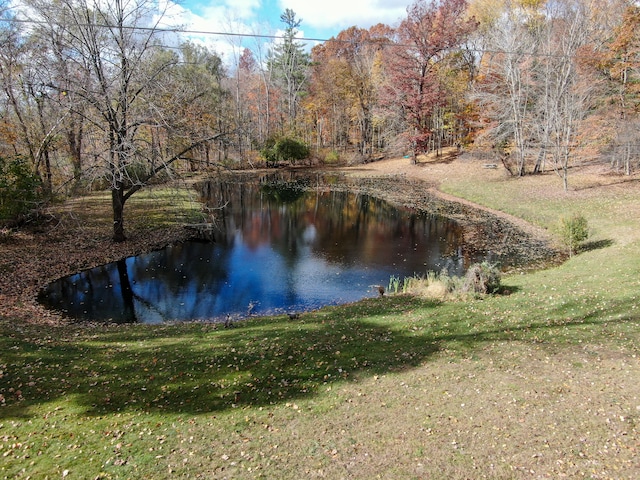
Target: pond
x=282, y=245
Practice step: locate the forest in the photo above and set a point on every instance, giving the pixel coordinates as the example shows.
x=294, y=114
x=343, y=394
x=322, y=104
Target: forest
x=100, y=96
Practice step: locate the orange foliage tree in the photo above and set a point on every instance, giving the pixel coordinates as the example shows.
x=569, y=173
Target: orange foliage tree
x=431, y=32
x=344, y=88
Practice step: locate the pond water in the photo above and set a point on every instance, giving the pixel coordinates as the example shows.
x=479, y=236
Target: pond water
x=281, y=247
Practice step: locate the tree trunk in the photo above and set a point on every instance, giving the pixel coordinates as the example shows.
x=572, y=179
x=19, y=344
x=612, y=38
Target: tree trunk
x=48, y=175
x=74, y=142
x=539, y=166
x=117, y=201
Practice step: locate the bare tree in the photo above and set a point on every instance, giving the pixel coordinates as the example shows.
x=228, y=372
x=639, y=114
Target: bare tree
x=507, y=89
x=116, y=44
x=566, y=94
x=28, y=105
x=535, y=92
x=53, y=68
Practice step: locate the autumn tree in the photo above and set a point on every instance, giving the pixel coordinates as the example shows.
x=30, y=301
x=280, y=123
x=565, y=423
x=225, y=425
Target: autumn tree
x=326, y=108
x=621, y=64
x=453, y=118
x=431, y=31
x=344, y=86
x=200, y=103
x=254, y=97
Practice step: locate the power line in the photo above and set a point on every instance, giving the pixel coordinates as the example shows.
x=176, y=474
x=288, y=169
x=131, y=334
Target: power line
x=171, y=30
x=378, y=42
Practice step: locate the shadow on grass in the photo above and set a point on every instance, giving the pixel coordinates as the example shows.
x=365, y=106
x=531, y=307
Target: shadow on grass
x=596, y=245
x=202, y=367
x=506, y=290
x=197, y=368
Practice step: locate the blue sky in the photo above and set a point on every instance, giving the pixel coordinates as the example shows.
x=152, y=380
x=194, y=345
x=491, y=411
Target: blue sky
x=320, y=18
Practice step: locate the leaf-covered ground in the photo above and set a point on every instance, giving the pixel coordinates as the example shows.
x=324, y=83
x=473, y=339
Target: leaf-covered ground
x=77, y=236
x=541, y=383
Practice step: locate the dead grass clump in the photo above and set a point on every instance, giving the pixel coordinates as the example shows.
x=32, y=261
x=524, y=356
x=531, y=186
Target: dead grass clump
x=433, y=286
x=436, y=290
x=480, y=279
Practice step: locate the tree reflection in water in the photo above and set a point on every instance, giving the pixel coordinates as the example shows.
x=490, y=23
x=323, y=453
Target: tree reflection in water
x=282, y=248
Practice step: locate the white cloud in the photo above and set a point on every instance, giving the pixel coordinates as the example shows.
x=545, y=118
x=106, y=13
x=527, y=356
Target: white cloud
x=233, y=16
x=244, y=8
x=232, y=9
x=341, y=14
x=320, y=19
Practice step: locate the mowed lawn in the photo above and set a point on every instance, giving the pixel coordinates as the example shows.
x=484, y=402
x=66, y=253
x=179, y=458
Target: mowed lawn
x=541, y=383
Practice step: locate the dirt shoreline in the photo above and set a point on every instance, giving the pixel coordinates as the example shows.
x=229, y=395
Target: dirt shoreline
x=31, y=258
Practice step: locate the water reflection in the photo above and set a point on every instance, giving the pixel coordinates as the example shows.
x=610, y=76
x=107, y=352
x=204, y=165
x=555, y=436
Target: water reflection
x=281, y=248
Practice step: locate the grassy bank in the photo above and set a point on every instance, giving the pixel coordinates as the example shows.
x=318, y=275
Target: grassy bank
x=541, y=383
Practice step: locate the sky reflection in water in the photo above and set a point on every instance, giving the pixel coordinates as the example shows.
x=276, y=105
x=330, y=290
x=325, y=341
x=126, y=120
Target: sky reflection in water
x=283, y=250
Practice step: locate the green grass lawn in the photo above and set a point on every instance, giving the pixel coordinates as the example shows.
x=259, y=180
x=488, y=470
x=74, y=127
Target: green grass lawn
x=540, y=383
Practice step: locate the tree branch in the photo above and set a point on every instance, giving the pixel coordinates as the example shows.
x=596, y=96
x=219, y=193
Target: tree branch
x=158, y=169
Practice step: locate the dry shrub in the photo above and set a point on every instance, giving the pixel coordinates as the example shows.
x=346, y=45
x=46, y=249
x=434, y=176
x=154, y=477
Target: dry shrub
x=482, y=278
